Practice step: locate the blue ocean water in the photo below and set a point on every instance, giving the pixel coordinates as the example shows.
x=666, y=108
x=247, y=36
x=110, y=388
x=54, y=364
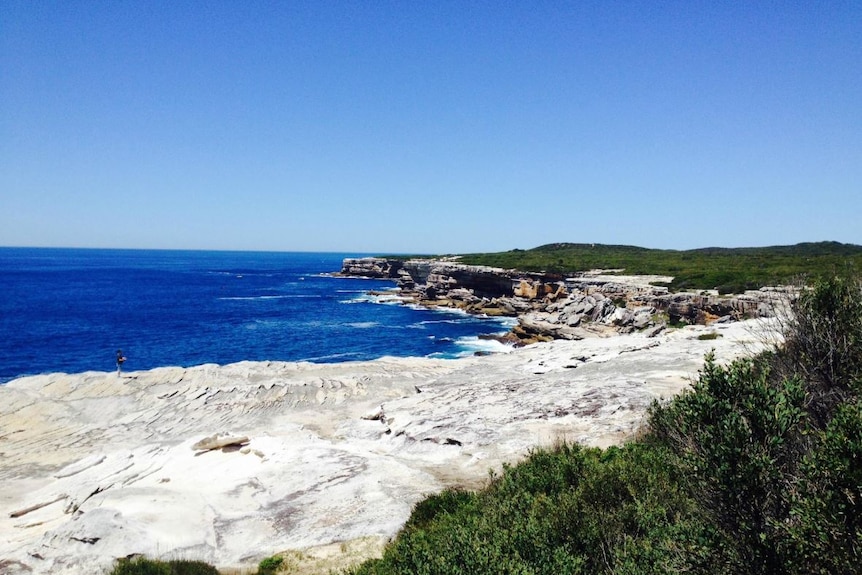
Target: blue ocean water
x=69, y=310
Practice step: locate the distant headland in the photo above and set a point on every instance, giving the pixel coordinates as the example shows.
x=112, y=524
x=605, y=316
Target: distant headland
x=573, y=291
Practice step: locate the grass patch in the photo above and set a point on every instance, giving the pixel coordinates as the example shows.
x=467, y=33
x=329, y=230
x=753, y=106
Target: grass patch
x=709, y=336
x=144, y=566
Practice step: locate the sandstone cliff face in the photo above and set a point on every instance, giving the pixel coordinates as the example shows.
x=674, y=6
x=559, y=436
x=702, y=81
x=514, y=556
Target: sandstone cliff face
x=378, y=268
x=548, y=307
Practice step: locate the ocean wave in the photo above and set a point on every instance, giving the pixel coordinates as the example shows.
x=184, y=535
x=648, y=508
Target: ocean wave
x=449, y=321
x=470, y=345
x=376, y=299
x=331, y=356
x=265, y=297
x=363, y=324
x=241, y=274
x=507, y=322
x=268, y=324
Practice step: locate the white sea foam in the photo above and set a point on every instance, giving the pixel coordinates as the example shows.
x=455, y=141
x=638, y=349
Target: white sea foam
x=330, y=356
x=377, y=299
x=450, y=321
x=473, y=344
x=265, y=297
x=268, y=324
x=363, y=324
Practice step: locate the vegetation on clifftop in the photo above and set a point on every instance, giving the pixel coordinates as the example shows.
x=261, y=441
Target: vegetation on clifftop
x=726, y=269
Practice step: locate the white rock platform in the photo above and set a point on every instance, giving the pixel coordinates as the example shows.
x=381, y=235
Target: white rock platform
x=95, y=467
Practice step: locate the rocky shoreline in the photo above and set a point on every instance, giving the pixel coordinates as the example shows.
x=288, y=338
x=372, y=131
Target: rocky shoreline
x=96, y=467
x=549, y=306
x=230, y=464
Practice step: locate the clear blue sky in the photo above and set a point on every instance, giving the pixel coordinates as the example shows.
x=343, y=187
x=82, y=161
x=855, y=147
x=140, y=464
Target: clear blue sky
x=429, y=126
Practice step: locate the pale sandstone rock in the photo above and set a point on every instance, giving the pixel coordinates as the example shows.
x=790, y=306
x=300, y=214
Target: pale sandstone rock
x=218, y=442
x=95, y=467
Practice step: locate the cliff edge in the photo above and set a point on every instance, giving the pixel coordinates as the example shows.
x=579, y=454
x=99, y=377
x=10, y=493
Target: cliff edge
x=550, y=306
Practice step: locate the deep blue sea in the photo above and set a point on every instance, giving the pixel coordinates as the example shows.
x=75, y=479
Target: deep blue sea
x=70, y=310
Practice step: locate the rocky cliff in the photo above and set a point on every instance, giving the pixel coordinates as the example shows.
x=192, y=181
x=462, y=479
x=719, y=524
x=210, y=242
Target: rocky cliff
x=549, y=306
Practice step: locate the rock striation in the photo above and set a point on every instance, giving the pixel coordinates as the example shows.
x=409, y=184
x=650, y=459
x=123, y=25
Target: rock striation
x=230, y=464
x=549, y=306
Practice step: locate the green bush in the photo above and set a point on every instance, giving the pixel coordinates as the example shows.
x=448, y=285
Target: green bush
x=270, y=565
x=823, y=533
x=144, y=566
x=450, y=501
x=824, y=343
x=773, y=446
x=565, y=510
x=736, y=436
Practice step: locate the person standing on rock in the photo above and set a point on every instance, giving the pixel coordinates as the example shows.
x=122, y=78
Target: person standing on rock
x=121, y=359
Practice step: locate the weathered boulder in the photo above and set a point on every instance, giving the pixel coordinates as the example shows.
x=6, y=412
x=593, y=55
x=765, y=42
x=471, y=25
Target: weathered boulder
x=540, y=329
x=604, y=307
x=513, y=305
x=642, y=317
x=533, y=289
x=217, y=442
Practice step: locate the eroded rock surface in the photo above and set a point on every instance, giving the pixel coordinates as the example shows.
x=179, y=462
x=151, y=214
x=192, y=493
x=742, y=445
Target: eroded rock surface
x=549, y=306
x=95, y=467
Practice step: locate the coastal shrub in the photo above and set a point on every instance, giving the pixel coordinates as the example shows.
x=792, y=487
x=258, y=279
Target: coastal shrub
x=564, y=510
x=772, y=446
x=450, y=501
x=709, y=336
x=823, y=533
x=144, y=566
x=270, y=565
x=823, y=343
x=736, y=435
x=141, y=566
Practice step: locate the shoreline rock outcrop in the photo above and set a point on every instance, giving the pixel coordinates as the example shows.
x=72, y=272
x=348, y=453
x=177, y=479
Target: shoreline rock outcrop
x=549, y=306
x=96, y=467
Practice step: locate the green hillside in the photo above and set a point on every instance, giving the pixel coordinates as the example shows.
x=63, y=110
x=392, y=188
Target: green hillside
x=726, y=269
